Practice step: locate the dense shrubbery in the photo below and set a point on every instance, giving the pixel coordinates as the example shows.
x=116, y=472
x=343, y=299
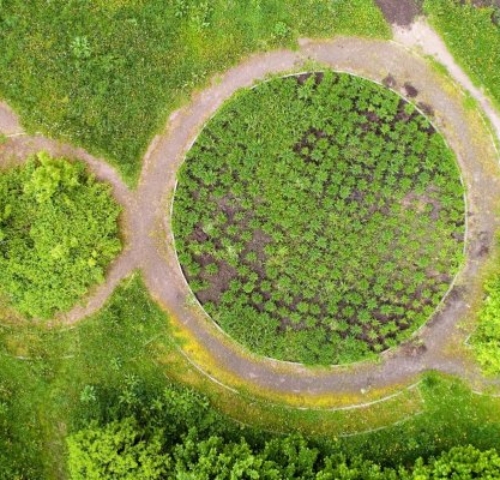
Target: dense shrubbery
x=178, y=435
x=105, y=74
x=473, y=36
x=319, y=218
x=486, y=340
x=58, y=231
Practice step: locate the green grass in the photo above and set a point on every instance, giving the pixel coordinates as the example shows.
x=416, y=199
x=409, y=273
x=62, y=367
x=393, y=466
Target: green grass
x=453, y=415
x=486, y=339
x=319, y=220
x=106, y=74
x=45, y=372
x=472, y=38
x=165, y=424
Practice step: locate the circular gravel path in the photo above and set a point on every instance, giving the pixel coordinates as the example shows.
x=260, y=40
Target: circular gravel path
x=148, y=237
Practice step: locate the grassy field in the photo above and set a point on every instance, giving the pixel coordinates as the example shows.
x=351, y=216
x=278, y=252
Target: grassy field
x=48, y=377
x=105, y=75
x=473, y=38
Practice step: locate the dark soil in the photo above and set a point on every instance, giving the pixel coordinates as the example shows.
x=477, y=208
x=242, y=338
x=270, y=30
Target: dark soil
x=389, y=81
x=410, y=90
x=218, y=283
x=426, y=109
x=400, y=12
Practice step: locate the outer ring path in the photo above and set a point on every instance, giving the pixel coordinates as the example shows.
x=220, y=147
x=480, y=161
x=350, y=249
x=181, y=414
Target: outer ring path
x=148, y=224
x=374, y=60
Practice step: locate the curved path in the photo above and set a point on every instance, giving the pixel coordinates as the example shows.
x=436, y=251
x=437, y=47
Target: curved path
x=146, y=217
x=16, y=150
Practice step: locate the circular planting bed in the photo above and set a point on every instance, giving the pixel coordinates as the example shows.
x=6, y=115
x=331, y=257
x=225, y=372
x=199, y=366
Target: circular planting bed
x=319, y=218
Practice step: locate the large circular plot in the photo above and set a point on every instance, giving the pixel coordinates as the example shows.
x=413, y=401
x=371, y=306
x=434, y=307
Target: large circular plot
x=319, y=218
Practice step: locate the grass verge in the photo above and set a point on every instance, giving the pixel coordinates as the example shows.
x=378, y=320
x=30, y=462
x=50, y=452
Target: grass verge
x=472, y=37
x=105, y=75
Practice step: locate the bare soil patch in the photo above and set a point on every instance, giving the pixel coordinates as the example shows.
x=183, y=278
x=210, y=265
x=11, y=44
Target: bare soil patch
x=484, y=3
x=400, y=12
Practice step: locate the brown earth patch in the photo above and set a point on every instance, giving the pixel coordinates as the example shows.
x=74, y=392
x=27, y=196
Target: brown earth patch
x=400, y=12
x=483, y=3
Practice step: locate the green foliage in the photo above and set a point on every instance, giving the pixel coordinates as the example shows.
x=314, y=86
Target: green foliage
x=138, y=445
x=320, y=217
x=136, y=458
x=58, y=232
x=461, y=463
x=69, y=377
x=72, y=383
x=486, y=340
x=453, y=417
x=106, y=74
x=473, y=38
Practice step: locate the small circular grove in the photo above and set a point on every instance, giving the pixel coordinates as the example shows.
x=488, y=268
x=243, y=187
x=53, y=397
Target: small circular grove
x=319, y=218
x=58, y=233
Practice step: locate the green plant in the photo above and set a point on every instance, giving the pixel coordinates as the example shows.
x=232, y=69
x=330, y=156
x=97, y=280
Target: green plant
x=357, y=248
x=486, y=340
x=58, y=232
x=106, y=75
x=80, y=48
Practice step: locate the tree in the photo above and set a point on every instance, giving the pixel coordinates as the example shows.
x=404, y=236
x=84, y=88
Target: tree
x=116, y=451
x=58, y=232
x=460, y=463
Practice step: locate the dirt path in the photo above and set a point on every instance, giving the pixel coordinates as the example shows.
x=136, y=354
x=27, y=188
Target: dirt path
x=424, y=39
x=400, y=12
x=146, y=216
x=9, y=124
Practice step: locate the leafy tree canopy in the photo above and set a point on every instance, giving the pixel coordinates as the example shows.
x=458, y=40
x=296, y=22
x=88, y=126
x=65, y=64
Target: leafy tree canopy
x=58, y=231
x=158, y=439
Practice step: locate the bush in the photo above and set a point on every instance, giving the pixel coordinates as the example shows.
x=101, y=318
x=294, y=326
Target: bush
x=486, y=340
x=156, y=438
x=58, y=232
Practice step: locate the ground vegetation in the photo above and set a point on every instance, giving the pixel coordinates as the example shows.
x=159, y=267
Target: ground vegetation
x=105, y=75
x=319, y=218
x=471, y=31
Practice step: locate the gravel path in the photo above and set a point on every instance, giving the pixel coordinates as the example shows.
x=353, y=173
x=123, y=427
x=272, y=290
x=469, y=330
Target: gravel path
x=146, y=212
